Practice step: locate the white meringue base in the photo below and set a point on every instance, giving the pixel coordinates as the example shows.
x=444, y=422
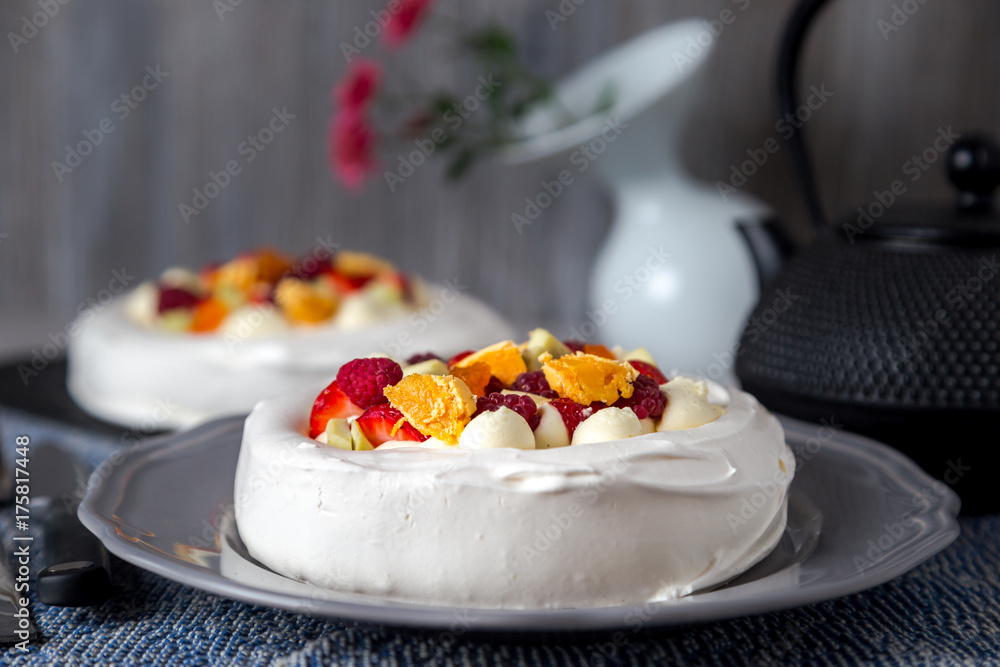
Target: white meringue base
x=647, y=518
x=125, y=373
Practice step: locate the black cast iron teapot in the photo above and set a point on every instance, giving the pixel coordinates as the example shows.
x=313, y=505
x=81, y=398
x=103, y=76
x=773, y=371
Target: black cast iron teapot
x=893, y=328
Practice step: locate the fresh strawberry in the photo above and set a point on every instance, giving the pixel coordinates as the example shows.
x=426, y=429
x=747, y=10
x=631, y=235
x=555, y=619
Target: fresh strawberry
x=458, y=357
x=648, y=369
x=364, y=380
x=348, y=284
x=382, y=423
x=330, y=403
x=571, y=413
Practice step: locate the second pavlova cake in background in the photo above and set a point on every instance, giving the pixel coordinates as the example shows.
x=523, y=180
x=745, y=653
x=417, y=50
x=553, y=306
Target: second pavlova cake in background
x=548, y=474
x=194, y=345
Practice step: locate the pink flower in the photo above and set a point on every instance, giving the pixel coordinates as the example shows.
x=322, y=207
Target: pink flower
x=352, y=147
x=405, y=20
x=358, y=86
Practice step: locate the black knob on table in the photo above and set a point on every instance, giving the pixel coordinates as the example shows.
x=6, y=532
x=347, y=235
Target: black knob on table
x=974, y=169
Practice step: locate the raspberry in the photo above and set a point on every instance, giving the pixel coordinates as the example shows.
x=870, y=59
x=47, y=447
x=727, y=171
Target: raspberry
x=649, y=369
x=574, y=345
x=426, y=356
x=646, y=399
x=175, y=297
x=534, y=382
x=572, y=413
x=494, y=385
x=364, y=379
x=522, y=405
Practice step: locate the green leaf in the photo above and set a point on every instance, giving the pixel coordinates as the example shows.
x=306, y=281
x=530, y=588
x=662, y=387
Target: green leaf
x=492, y=42
x=441, y=103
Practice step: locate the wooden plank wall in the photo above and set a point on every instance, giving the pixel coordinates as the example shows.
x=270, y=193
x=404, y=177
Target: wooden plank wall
x=119, y=208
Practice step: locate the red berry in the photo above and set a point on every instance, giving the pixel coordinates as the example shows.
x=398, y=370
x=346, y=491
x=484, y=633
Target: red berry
x=494, y=385
x=458, y=357
x=649, y=369
x=534, y=382
x=350, y=283
x=575, y=345
x=522, y=405
x=425, y=356
x=378, y=422
x=331, y=403
x=175, y=297
x=571, y=413
x=311, y=266
x=364, y=379
x=646, y=399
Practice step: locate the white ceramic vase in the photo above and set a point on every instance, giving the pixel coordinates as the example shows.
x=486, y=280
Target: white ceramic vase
x=675, y=274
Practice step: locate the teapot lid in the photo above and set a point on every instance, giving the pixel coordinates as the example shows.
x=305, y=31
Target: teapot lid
x=973, y=164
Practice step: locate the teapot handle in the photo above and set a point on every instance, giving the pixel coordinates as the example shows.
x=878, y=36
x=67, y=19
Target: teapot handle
x=788, y=95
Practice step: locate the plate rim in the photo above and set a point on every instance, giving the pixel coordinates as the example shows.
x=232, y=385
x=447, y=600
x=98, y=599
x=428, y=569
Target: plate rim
x=940, y=529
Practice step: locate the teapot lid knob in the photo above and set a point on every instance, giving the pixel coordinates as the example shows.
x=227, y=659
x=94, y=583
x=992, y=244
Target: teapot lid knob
x=974, y=169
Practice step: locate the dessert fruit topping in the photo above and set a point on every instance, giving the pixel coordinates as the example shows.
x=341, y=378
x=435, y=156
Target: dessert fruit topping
x=308, y=292
x=438, y=405
x=522, y=405
x=649, y=369
x=382, y=423
x=331, y=403
x=363, y=380
x=489, y=398
x=585, y=378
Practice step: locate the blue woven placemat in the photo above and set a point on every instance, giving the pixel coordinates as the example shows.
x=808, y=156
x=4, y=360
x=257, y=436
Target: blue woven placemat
x=945, y=612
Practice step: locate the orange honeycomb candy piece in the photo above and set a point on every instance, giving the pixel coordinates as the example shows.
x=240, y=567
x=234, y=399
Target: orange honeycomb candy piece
x=475, y=376
x=239, y=273
x=504, y=359
x=271, y=265
x=354, y=264
x=208, y=315
x=303, y=303
x=599, y=351
x=437, y=405
x=585, y=378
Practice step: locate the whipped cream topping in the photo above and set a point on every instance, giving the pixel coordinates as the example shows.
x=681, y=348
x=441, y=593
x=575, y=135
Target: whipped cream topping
x=626, y=521
x=125, y=372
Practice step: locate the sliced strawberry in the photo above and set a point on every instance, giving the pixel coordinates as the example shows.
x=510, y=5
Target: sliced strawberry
x=383, y=422
x=330, y=403
x=347, y=283
x=458, y=357
x=649, y=369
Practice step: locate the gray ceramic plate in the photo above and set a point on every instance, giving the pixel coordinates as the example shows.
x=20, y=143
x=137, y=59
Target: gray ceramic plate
x=860, y=514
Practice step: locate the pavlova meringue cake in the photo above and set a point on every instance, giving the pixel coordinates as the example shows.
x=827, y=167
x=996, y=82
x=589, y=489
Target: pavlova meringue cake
x=192, y=346
x=532, y=476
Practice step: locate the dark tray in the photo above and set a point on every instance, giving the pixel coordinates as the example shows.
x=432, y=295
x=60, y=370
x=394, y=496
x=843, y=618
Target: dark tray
x=45, y=395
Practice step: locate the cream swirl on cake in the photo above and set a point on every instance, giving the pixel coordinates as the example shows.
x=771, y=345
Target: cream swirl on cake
x=425, y=517
x=192, y=346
